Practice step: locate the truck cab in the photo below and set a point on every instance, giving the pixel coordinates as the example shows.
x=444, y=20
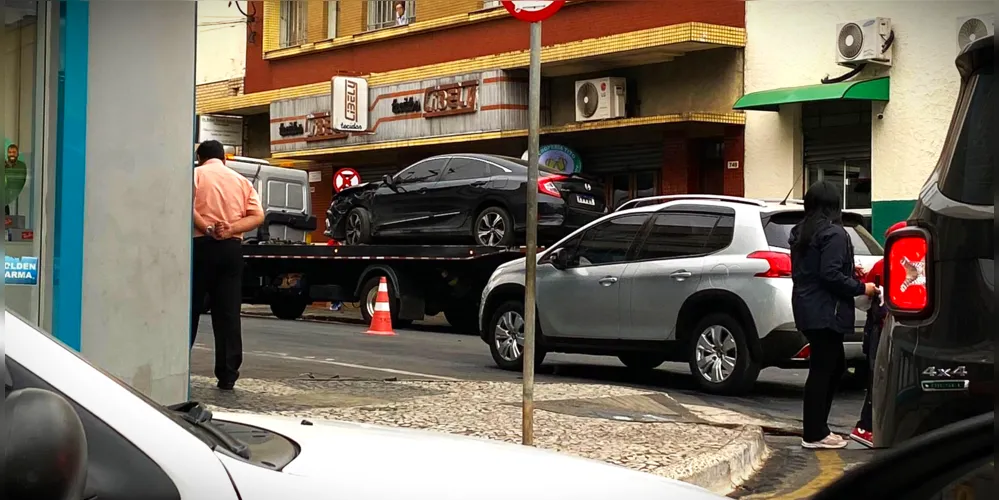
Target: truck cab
x=284, y=196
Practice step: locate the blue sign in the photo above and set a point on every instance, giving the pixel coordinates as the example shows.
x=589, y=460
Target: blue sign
x=20, y=270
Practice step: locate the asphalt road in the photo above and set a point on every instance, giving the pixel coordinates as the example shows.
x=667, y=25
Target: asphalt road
x=280, y=349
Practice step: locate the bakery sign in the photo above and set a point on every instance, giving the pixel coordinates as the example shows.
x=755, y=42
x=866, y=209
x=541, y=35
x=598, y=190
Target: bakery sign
x=469, y=103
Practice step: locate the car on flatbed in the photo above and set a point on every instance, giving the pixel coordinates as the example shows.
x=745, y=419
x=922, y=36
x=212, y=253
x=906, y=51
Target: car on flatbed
x=478, y=199
x=701, y=279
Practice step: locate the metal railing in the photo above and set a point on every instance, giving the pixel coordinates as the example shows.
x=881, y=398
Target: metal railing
x=381, y=14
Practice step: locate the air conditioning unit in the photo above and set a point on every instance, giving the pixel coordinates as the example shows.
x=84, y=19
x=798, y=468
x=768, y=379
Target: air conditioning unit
x=601, y=99
x=974, y=28
x=864, y=41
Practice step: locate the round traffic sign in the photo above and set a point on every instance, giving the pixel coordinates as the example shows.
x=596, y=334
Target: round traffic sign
x=532, y=11
x=345, y=178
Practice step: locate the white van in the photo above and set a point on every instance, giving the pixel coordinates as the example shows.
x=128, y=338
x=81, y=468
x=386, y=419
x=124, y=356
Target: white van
x=285, y=198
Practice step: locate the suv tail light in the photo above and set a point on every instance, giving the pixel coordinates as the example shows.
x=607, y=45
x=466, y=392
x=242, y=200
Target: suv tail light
x=546, y=185
x=780, y=264
x=908, y=272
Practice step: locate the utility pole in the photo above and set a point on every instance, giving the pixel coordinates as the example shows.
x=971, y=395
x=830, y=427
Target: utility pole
x=533, y=144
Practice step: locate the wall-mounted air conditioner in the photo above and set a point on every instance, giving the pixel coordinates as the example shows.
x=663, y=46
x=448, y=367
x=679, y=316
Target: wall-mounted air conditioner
x=864, y=41
x=601, y=99
x=973, y=28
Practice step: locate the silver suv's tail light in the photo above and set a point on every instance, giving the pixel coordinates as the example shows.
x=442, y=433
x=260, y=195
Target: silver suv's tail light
x=780, y=264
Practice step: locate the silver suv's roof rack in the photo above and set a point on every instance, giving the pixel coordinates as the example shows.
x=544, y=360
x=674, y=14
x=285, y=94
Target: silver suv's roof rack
x=699, y=197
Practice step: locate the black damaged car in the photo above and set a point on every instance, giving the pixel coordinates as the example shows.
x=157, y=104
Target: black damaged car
x=471, y=198
x=935, y=362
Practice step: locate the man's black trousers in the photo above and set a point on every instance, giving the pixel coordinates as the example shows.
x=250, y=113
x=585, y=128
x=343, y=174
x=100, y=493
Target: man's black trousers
x=826, y=364
x=218, y=275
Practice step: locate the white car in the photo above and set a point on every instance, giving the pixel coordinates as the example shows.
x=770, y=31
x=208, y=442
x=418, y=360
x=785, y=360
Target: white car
x=139, y=449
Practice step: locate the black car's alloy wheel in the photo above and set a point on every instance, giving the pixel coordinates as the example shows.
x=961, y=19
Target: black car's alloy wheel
x=493, y=228
x=357, y=228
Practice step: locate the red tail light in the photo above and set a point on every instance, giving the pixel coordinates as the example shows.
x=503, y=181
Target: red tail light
x=804, y=353
x=780, y=264
x=907, y=269
x=546, y=185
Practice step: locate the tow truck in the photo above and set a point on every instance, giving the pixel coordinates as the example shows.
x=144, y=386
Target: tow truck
x=423, y=280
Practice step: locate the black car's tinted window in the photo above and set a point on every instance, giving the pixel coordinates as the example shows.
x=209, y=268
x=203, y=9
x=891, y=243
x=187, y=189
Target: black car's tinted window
x=685, y=234
x=778, y=231
x=967, y=177
x=467, y=168
x=421, y=172
x=609, y=242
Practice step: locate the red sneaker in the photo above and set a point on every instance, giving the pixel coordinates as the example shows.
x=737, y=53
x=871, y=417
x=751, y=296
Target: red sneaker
x=863, y=437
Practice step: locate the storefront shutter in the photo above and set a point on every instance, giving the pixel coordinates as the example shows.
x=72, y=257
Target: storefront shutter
x=836, y=131
x=625, y=158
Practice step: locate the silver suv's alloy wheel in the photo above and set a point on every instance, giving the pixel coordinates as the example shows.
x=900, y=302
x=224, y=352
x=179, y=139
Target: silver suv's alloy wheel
x=490, y=229
x=509, y=335
x=716, y=353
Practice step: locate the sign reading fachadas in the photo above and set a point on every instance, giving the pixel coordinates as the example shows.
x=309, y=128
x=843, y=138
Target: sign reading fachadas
x=349, y=103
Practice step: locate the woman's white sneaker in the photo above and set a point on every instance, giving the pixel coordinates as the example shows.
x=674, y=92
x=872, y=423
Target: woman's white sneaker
x=830, y=442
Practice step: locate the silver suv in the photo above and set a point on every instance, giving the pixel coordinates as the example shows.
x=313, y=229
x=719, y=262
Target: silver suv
x=696, y=278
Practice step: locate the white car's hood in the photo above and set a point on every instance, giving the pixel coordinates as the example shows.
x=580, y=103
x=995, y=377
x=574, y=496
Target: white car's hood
x=361, y=462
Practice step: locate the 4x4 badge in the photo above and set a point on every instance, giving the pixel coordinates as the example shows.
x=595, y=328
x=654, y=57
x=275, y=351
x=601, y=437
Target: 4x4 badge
x=933, y=371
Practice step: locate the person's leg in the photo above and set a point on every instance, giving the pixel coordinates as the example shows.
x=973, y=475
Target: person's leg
x=199, y=285
x=821, y=365
x=838, y=370
x=226, y=303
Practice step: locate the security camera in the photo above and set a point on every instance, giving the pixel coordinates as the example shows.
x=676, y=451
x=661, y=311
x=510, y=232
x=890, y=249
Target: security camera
x=881, y=116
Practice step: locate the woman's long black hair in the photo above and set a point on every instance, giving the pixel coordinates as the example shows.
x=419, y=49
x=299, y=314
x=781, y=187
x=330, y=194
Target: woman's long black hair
x=823, y=205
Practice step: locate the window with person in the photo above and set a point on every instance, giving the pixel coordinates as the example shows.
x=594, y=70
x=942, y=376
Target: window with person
x=676, y=234
x=610, y=241
x=294, y=23
x=424, y=171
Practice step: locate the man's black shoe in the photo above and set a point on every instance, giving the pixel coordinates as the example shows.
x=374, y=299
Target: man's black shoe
x=225, y=386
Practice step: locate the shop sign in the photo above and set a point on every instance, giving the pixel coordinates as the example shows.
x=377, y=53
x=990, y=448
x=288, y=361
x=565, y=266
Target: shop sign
x=406, y=105
x=452, y=99
x=315, y=176
x=532, y=11
x=226, y=129
x=20, y=270
x=485, y=101
x=349, y=104
x=318, y=128
x=558, y=157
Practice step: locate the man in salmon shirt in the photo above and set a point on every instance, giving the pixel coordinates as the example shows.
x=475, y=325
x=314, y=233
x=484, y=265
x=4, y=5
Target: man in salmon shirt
x=225, y=206
x=872, y=334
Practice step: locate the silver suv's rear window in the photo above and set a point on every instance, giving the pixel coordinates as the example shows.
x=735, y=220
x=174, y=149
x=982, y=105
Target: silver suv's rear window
x=777, y=228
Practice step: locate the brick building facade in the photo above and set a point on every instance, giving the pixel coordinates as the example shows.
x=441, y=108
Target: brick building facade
x=681, y=63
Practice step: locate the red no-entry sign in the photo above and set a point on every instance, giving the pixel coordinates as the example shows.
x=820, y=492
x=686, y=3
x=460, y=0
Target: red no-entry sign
x=345, y=178
x=532, y=11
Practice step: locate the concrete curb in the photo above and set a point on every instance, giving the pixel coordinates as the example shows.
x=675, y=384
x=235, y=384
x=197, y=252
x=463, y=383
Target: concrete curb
x=732, y=465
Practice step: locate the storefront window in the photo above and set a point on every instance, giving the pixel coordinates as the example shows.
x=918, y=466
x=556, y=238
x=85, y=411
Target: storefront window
x=22, y=158
x=624, y=187
x=852, y=177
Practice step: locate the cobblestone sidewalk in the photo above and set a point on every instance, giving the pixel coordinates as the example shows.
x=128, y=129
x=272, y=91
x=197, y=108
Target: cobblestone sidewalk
x=633, y=428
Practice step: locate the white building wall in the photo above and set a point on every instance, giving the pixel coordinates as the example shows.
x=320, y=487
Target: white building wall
x=221, y=41
x=137, y=252
x=792, y=43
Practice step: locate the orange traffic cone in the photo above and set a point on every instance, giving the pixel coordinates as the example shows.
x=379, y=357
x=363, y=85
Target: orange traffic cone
x=381, y=320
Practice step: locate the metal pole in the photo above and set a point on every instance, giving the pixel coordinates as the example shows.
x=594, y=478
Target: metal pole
x=533, y=144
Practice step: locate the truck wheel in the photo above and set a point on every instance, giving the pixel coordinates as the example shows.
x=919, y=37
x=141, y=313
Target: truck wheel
x=369, y=292
x=288, y=308
x=719, y=356
x=505, y=335
x=357, y=227
x=493, y=227
x=464, y=318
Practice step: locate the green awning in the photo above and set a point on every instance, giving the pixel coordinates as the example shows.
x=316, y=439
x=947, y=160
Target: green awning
x=771, y=100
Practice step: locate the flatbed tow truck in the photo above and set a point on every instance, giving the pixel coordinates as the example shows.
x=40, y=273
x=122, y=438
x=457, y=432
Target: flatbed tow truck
x=423, y=280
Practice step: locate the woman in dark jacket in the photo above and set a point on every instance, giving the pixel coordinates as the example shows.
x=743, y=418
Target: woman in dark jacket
x=822, y=270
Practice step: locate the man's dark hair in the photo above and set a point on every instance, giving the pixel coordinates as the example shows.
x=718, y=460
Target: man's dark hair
x=210, y=150
x=401, y=4
x=13, y=146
